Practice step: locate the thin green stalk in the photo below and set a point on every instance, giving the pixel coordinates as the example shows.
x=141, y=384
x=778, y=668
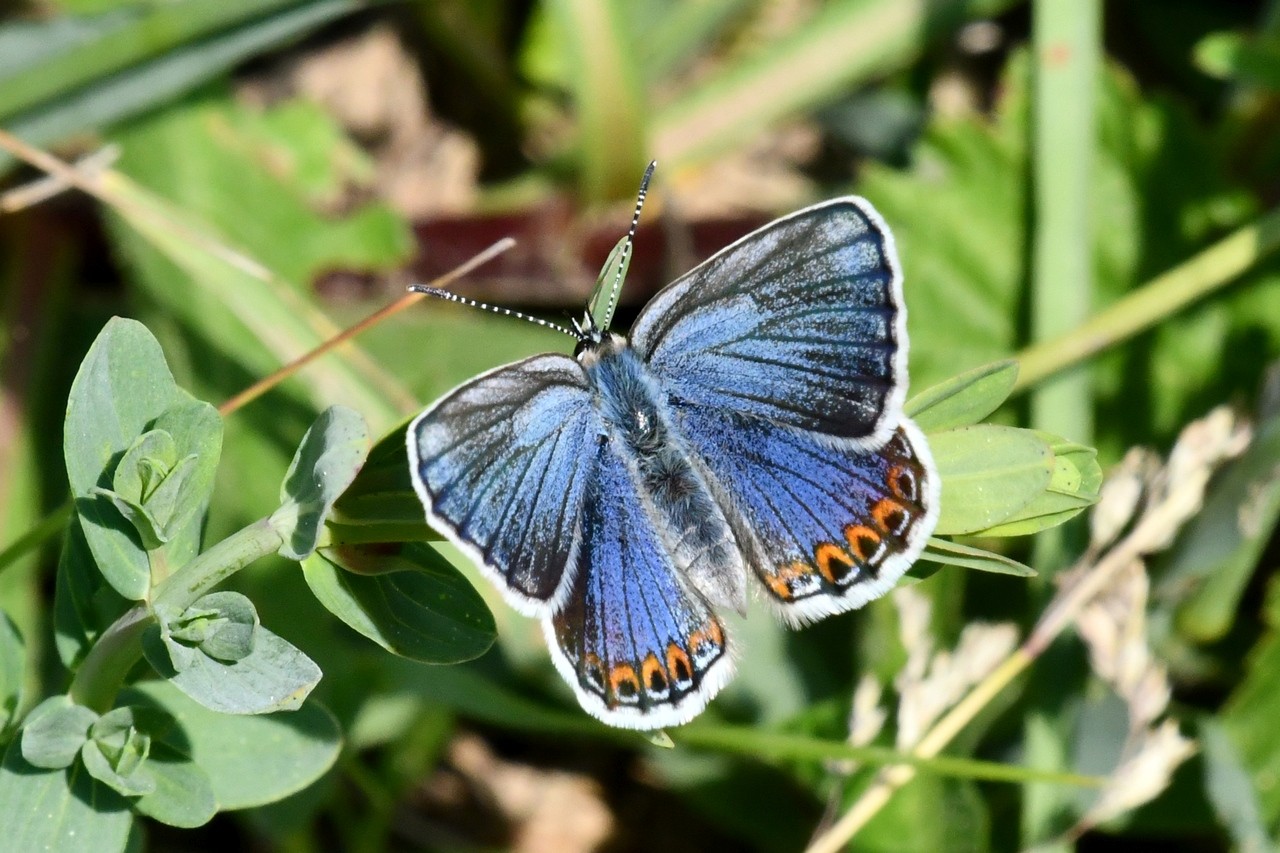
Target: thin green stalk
x=43, y=530
x=775, y=746
x=1066, y=37
x=215, y=565
x=608, y=96
x=1163, y=296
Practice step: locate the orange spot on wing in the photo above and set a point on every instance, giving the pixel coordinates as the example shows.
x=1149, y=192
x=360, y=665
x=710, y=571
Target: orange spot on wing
x=890, y=515
x=858, y=537
x=708, y=635
x=678, y=664
x=780, y=579
x=623, y=681
x=833, y=561
x=655, y=677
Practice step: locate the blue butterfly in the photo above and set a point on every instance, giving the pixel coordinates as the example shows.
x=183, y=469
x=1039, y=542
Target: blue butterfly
x=752, y=425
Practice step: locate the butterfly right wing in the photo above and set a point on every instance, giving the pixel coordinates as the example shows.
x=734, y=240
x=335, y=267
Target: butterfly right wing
x=501, y=465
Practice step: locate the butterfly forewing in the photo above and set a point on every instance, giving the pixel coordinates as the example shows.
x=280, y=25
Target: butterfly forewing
x=639, y=645
x=499, y=466
x=800, y=323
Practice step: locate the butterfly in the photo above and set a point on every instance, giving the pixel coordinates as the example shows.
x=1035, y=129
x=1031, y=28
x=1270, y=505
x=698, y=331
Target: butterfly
x=752, y=425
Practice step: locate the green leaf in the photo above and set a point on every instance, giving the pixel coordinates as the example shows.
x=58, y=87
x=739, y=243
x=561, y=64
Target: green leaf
x=965, y=399
x=120, y=740
x=58, y=811
x=183, y=795
x=54, y=732
x=418, y=607
x=247, y=288
x=381, y=505
x=988, y=473
x=1072, y=488
x=157, y=59
x=122, y=386
x=834, y=49
x=220, y=624
x=137, y=783
x=1208, y=569
x=249, y=761
x=275, y=676
x=145, y=465
x=950, y=553
x=609, y=101
x=12, y=664
x=84, y=604
x=326, y=463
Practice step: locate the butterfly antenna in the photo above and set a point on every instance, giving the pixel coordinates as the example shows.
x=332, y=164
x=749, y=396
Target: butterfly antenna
x=625, y=257
x=496, y=309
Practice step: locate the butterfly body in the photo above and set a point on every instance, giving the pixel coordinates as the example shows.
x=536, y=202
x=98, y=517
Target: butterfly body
x=750, y=426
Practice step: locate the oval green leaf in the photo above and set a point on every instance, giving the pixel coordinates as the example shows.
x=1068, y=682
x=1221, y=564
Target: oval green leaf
x=965, y=399
x=949, y=553
x=274, y=677
x=406, y=598
x=54, y=732
x=84, y=604
x=183, y=795
x=988, y=474
x=326, y=463
x=123, y=390
x=56, y=811
x=249, y=761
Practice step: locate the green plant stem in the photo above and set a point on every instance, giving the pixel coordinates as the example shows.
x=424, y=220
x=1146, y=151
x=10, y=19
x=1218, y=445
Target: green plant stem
x=103, y=671
x=108, y=662
x=215, y=565
x=770, y=745
x=1066, y=34
x=1163, y=296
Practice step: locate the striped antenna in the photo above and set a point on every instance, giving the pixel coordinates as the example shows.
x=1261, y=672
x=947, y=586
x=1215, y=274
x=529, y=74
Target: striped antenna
x=496, y=309
x=624, y=259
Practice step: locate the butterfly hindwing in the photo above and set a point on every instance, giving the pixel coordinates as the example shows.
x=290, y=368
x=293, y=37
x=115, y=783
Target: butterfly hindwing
x=501, y=465
x=800, y=322
x=639, y=645
x=830, y=527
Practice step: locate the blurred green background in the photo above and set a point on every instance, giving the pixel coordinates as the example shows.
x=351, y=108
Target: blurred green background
x=281, y=168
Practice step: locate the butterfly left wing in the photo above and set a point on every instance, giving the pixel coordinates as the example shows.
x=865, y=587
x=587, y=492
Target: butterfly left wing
x=801, y=323
x=501, y=465
x=640, y=647
x=826, y=527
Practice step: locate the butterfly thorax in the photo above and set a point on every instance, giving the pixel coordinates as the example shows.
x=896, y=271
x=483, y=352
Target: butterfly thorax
x=639, y=422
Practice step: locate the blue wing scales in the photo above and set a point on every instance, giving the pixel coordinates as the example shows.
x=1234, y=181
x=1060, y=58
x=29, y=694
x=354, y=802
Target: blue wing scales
x=801, y=323
x=501, y=465
x=639, y=645
x=827, y=527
